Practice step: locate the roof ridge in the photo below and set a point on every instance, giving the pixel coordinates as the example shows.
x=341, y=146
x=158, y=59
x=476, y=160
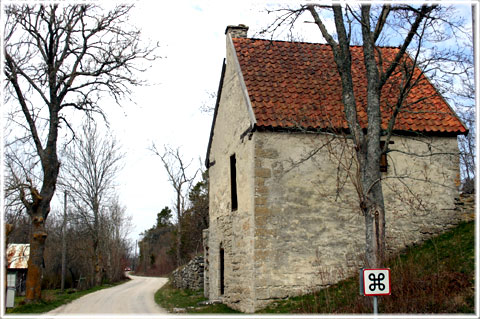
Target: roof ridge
x=305, y=42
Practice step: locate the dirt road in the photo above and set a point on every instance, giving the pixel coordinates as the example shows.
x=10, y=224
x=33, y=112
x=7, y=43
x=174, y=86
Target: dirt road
x=133, y=297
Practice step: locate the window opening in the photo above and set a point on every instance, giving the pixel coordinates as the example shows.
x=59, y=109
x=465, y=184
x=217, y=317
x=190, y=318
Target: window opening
x=233, y=181
x=383, y=158
x=222, y=271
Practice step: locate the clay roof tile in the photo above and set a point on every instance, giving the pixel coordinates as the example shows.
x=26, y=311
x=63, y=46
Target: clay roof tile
x=294, y=80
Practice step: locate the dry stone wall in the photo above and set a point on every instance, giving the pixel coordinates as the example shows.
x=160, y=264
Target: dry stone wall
x=189, y=276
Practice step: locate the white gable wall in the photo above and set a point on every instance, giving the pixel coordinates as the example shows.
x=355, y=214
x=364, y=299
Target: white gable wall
x=233, y=230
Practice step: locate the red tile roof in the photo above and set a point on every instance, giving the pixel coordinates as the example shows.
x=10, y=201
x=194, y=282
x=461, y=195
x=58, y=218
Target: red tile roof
x=17, y=256
x=294, y=84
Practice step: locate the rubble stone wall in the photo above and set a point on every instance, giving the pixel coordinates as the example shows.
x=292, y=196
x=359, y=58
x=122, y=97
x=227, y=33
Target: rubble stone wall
x=189, y=276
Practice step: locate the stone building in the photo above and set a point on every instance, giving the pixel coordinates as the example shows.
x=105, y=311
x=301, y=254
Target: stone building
x=284, y=215
x=17, y=263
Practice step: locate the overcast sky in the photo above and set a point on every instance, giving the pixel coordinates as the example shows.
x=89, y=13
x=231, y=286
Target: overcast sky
x=191, y=35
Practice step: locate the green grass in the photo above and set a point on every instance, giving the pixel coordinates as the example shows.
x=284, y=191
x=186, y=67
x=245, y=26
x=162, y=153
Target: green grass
x=168, y=297
x=52, y=299
x=435, y=277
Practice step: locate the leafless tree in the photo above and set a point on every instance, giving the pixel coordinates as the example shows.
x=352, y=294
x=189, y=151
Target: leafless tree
x=61, y=57
x=465, y=94
x=208, y=105
x=367, y=25
x=91, y=164
x=181, y=181
x=116, y=227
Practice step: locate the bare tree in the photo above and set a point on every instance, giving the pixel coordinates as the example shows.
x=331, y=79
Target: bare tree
x=181, y=182
x=60, y=57
x=90, y=167
x=465, y=94
x=366, y=25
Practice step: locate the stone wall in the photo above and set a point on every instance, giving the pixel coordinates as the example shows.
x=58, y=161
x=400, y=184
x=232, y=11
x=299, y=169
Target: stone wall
x=189, y=276
x=231, y=230
x=465, y=204
x=309, y=232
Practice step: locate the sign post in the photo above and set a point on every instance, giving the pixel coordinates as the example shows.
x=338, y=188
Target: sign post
x=11, y=282
x=375, y=282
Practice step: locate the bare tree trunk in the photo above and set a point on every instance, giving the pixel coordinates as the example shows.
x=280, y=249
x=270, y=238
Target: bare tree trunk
x=38, y=209
x=35, y=262
x=97, y=263
x=179, y=230
x=64, y=242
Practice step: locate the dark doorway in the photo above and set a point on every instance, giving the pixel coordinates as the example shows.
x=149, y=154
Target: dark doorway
x=222, y=270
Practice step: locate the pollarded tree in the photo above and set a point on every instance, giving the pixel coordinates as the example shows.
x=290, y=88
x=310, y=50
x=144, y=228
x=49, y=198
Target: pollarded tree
x=60, y=57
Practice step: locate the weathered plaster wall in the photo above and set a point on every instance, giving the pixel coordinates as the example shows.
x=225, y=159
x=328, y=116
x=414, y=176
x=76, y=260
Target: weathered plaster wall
x=421, y=200
x=233, y=230
x=308, y=230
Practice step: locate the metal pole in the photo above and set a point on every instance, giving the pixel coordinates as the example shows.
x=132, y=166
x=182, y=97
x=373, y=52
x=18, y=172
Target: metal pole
x=375, y=306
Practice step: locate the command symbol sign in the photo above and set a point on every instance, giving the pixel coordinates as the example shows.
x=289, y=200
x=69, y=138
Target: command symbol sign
x=376, y=282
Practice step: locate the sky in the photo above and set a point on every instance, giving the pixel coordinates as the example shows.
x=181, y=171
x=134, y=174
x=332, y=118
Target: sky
x=191, y=35
x=192, y=42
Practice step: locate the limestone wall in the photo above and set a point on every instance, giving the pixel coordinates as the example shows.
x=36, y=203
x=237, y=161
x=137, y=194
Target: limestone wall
x=309, y=232
x=189, y=276
x=231, y=230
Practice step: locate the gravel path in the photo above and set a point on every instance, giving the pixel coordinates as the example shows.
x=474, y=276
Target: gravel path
x=133, y=297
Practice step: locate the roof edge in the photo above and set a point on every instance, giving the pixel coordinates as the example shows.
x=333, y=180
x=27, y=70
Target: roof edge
x=238, y=70
x=338, y=131
x=215, y=112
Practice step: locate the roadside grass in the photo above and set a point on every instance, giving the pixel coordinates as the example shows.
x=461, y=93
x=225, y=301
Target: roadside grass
x=52, y=299
x=169, y=298
x=435, y=277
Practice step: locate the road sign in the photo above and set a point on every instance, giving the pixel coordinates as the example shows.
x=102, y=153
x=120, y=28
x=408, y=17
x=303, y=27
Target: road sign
x=376, y=282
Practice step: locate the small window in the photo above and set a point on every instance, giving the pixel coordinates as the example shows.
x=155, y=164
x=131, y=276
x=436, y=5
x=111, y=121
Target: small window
x=233, y=181
x=383, y=157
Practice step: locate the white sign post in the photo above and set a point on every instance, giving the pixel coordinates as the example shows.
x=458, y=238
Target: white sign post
x=11, y=281
x=375, y=282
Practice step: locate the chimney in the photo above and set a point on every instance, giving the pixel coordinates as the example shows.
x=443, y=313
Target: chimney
x=237, y=31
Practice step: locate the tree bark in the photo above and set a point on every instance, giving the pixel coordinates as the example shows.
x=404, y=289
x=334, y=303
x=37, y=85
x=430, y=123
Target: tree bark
x=179, y=228
x=35, y=262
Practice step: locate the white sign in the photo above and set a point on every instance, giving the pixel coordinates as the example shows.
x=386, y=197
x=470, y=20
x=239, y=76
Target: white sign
x=11, y=279
x=376, y=282
x=10, y=302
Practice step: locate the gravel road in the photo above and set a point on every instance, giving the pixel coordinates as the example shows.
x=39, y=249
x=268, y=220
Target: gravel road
x=133, y=297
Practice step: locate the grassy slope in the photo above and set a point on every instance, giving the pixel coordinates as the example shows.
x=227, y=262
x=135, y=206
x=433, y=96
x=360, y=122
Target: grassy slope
x=435, y=277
